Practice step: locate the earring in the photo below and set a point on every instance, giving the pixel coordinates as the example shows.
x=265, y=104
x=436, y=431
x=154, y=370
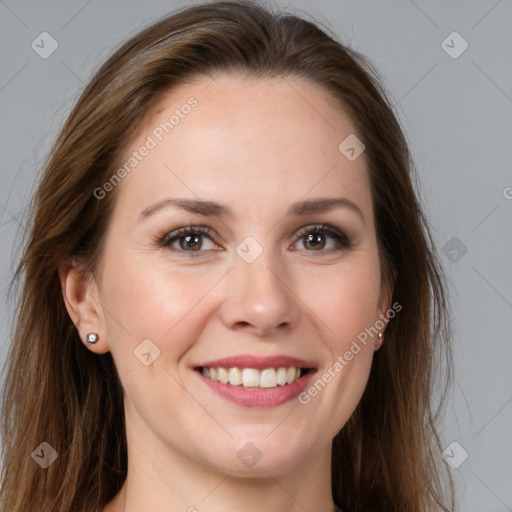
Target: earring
x=92, y=338
x=380, y=338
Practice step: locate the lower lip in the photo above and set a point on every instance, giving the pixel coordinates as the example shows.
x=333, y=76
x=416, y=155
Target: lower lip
x=260, y=397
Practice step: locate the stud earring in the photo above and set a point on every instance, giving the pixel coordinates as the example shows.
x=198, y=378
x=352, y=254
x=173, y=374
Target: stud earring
x=380, y=338
x=92, y=338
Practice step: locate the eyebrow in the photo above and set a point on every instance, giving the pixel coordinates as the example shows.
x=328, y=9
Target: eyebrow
x=213, y=209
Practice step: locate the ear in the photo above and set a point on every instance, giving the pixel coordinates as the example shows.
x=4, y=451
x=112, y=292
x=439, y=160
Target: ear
x=385, y=301
x=81, y=297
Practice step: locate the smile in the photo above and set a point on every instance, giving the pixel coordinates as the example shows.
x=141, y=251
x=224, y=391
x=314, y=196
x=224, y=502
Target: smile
x=253, y=378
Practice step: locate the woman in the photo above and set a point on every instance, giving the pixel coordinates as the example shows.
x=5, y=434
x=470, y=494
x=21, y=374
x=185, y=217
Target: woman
x=230, y=295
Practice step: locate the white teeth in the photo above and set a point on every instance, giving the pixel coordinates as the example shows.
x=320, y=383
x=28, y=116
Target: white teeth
x=281, y=376
x=252, y=378
x=235, y=376
x=223, y=376
x=268, y=378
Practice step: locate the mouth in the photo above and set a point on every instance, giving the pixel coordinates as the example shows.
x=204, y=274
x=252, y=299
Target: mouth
x=253, y=381
x=252, y=378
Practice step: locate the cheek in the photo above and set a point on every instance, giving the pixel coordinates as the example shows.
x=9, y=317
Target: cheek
x=156, y=302
x=166, y=306
x=344, y=304
x=344, y=301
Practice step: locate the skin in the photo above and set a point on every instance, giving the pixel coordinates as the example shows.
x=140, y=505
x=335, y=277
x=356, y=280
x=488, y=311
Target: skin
x=256, y=146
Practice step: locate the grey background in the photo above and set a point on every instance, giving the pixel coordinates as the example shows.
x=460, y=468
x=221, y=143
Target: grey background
x=457, y=113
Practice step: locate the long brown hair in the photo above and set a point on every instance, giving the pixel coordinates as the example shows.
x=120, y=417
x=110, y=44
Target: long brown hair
x=387, y=457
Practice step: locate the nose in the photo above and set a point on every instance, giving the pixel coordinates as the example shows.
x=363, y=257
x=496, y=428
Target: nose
x=258, y=298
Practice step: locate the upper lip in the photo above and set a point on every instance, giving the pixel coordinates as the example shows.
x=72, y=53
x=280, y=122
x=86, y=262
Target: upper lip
x=258, y=362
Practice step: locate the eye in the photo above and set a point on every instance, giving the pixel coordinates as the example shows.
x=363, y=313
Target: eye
x=315, y=238
x=189, y=240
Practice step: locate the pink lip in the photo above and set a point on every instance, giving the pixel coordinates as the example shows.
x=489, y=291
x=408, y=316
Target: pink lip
x=257, y=362
x=263, y=398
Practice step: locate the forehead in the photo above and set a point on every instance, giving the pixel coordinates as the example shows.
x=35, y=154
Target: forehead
x=263, y=139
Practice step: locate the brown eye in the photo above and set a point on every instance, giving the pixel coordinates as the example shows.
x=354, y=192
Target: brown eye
x=315, y=240
x=192, y=242
x=188, y=241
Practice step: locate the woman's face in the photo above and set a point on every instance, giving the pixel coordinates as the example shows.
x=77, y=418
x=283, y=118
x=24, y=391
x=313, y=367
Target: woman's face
x=249, y=160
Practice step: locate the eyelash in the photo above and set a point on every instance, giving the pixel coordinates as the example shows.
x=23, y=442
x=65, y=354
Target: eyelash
x=344, y=242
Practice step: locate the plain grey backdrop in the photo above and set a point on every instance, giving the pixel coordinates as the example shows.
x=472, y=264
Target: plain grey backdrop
x=447, y=67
